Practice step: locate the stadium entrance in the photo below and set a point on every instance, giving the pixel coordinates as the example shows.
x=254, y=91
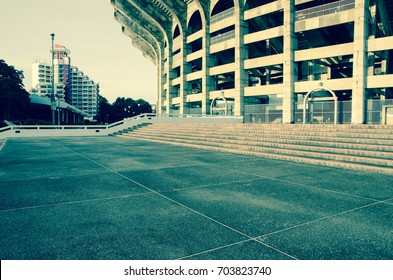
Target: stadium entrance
x=320, y=106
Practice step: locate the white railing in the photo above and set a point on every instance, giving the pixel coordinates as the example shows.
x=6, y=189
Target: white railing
x=222, y=37
x=325, y=9
x=194, y=111
x=73, y=130
x=374, y=110
x=19, y=131
x=263, y=113
x=197, y=118
x=222, y=15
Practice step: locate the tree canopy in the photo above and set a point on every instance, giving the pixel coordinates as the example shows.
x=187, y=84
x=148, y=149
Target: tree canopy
x=14, y=99
x=120, y=109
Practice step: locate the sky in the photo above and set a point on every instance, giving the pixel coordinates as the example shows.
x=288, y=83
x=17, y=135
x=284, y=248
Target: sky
x=88, y=29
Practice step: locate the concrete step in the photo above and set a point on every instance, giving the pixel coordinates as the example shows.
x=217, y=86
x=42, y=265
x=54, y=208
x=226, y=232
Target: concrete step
x=362, y=129
x=349, y=147
x=376, y=151
x=322, y=137
x=324, y=162
x=336, y=154
x=128, y=130
x=327, y=141
x=333, y=134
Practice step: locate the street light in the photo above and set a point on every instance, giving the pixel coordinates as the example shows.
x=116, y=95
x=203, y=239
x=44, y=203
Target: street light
x=53, y=101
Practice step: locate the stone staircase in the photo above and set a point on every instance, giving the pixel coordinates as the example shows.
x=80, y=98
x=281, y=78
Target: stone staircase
x=127, y=130
x=359, y=147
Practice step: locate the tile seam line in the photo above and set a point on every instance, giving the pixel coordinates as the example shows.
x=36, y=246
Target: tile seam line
x=285, y=229
x=182, y=205
x=172, y=167
x=112, y=197
x=323, y=218
x=307, y=186
x=298, y=184
x=215, y=249
x=72, y=202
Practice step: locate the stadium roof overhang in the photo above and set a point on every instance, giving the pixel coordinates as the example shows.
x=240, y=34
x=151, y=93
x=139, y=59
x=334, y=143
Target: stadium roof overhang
x=42, y=100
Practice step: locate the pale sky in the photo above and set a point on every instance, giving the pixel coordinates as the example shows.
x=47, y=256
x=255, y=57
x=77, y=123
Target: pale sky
x=88, y=29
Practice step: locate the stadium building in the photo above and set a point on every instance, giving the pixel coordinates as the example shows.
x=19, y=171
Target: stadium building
x=271, y=61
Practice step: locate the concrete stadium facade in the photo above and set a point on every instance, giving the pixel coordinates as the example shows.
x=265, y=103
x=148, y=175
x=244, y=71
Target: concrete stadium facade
x=285, y=61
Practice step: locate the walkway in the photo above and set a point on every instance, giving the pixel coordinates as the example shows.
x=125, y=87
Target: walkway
x=113, y=198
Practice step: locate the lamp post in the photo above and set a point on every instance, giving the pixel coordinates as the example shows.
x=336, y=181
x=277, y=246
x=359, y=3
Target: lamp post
x=53, y=101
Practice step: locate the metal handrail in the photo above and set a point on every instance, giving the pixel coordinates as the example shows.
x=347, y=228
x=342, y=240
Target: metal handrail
x=325, y=9
x=222, y=15
x=222, y=37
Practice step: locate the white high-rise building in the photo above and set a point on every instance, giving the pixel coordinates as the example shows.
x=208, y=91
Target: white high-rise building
x=42, y=82
x=71, y=85
x=83, y=92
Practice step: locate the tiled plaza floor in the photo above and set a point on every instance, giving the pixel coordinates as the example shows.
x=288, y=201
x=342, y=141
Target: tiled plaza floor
x=113, y=198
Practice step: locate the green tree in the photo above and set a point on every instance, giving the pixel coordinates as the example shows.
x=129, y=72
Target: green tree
x=105, y=110
x=143, y=106
x=120, y=109
x=14, y=99
x=124, y=108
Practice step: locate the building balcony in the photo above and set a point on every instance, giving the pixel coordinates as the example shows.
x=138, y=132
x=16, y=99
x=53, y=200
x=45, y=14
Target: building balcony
x=176, y=81
x=264, y=35
x=194, y=55
x=264, y=61
x=263, y=90
x=195, y=36
x=222, y=37
x=230, y=67
x=194, y=97
x=176, y=100
x=194, y=76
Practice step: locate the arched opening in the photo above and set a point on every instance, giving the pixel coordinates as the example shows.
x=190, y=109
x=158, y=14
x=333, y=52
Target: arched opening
x=316, y=97
x=222, y=6
x=176, y=32
x=219, y=105
x=195, y=23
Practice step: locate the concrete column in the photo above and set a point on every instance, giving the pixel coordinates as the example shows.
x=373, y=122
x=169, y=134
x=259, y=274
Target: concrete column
x=384, y=63
x=290, y=45
x=241, y=53
x=360, y=62
x=185, y=87
x=208, y=83
x=170, y=75
x=161, y=82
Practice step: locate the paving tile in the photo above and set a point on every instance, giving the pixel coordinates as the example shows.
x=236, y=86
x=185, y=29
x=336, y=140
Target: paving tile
x=370, y=185
x=52, y=190
x=98, y=214
x=186, y=177
x=46, y=166
x=366, y=234
x=273, y=168
x=259, y=207
x=147, y=227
